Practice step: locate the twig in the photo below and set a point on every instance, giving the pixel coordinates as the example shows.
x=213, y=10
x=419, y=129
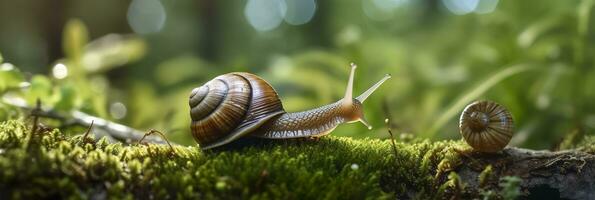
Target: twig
x=88, y=130
x=35, y=115
x=116, y=130
x=388, y=121
x=386, y=111
x=264, y=174
x=153, y=131
x=392, y=138
x=86, y=135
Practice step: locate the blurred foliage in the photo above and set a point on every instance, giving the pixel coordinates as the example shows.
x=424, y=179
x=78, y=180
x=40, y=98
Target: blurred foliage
x=532, y=56
x=82, y=88
x=511, y=187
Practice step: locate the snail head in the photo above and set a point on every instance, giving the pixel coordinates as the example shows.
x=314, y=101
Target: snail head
x=352, y=107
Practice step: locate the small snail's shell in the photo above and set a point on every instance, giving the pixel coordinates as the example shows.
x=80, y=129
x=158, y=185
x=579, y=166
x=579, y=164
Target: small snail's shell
x=230, y=106
x=486, y=126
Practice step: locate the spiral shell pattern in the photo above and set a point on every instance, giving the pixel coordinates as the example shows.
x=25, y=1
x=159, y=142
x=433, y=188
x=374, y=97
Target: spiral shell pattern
x=486, y=126
x=230, y=106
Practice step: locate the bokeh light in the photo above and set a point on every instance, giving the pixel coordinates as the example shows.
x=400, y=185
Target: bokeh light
x=486, y=6
x=117, y=110
x=6, y=67
x=146, y=16
x=265, y=15
x=460, y=7
x=349, y=35
x=300, y=11
x=382, y=9
x=388, y=5
x=92, y=61
x=60, y=71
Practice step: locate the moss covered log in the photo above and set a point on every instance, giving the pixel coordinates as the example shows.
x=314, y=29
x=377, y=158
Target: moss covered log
x=49, y=164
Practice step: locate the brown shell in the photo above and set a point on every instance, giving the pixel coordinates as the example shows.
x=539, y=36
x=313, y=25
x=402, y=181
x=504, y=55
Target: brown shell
x=486, y=126
x=230, y=106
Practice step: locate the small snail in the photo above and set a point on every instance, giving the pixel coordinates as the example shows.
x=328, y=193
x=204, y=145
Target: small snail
x=238, y=104
x=486, y=126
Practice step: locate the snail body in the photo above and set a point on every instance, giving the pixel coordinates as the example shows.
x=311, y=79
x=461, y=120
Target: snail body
x=486, y=126
x=241, y=104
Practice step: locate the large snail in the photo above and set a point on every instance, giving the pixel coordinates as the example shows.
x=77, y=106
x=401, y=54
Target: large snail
x=241, y=104
x=486, y=126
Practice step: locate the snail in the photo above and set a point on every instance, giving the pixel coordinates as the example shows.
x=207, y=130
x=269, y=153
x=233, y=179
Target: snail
x=239, y=104
x=486, y=126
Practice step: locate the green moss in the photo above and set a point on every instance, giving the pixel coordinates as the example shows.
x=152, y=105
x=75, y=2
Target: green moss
x=49, y=164
x=588, y=144
x=485, y=175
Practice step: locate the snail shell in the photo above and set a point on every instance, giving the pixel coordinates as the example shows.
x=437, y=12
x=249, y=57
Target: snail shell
x=230, y=106
x=486, y=126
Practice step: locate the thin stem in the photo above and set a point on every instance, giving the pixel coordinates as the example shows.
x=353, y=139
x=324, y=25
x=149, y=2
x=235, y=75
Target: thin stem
x=153, y=131
x=34, y=112
x=88, y=131
x=392, y=138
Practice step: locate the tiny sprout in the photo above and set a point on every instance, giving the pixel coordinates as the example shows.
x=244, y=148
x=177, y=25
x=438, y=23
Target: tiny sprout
x=153, y=131
x=392, y=138
x=35, y=113
x=85, y=138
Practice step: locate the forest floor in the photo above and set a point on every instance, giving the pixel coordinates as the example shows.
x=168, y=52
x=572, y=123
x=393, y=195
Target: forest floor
x=49, y=164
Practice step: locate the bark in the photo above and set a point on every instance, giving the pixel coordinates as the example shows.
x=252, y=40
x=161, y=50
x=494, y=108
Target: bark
x=545, y=175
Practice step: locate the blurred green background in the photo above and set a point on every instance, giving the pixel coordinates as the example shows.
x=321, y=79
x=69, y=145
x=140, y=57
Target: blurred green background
x=135, y=62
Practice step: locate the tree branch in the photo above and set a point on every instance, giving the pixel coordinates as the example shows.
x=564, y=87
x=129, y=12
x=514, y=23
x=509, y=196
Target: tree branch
x=566, y=174
x=113, y=129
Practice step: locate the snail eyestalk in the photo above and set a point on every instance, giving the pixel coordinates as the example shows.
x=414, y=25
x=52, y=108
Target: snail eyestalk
x=361, y=98
x=349, y=91
x=365, y=122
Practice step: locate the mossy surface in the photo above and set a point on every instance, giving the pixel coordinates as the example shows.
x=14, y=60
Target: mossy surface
x=50, y=164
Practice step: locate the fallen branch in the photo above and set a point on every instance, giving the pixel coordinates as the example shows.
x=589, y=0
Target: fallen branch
x=564, y=174
x=116, y=130
x=113, y=129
